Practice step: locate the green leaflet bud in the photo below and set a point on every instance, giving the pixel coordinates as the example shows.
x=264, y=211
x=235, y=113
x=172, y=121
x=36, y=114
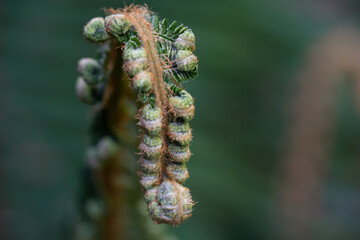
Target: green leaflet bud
x=132, y=54
x=179, y=153
x=149, y=165
x=175, y=202
x=155, y=211
x=183, y=105
x=150, y=113
x=185, y=60
x=90, y=70
x=117, y=24
x=94, y=30
x=84, y=92
x=180, y=132
x=167, y=198
x=152, y=141
x=142, y=82
x=149, y=180
x=135, y=66
x=150, y=195
x=150, y=119
x=151, y=146
x=183, y=101
x=177, y=171
x=185, y=41
x=135, y=60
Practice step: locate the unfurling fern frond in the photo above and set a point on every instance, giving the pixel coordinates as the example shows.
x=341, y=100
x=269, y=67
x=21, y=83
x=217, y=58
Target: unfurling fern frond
x=157, y=58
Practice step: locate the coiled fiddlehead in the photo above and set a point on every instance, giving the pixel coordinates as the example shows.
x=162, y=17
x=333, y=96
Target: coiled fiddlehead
x=156, y=58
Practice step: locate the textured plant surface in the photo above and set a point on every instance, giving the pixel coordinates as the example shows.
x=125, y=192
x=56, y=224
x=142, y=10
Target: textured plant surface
x=142, y=63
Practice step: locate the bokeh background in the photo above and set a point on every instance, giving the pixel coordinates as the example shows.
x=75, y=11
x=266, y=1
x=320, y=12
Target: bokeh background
x=249, y=52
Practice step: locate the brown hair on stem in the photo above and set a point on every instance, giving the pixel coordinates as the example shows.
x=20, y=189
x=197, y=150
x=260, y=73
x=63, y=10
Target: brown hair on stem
x=135, y=14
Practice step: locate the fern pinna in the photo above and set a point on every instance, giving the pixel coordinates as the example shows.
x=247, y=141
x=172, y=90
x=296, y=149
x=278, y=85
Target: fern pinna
x=150, y=56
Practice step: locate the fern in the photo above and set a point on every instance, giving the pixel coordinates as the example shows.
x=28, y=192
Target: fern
x=155, y=57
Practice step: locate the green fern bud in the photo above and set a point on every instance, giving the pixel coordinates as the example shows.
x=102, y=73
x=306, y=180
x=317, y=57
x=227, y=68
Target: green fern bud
x=142, y=82
x=150, y=119
x=150, y=195
x=94, y=30
x=149, y=165
x=155, y=211
x=185, y=60
x=90, y=70
x=183, y=101
x=151, y=146
x=183, y=105
x=132, y=54
x=180, y=132
x=175, y=201
x=85, y=92
x=149, y=180
x=117, y=24
x=178, y=172
x=185, y=41
x=135, y=60
x=135, y=66
x=179, y=153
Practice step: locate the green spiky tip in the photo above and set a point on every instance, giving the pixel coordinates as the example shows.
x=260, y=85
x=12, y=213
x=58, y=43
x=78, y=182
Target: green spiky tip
x=117, y=24
x=95, y=31
x=151, y=113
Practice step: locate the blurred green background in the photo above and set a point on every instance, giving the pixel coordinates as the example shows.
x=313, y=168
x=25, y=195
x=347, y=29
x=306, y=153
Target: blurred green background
x=248, y=51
